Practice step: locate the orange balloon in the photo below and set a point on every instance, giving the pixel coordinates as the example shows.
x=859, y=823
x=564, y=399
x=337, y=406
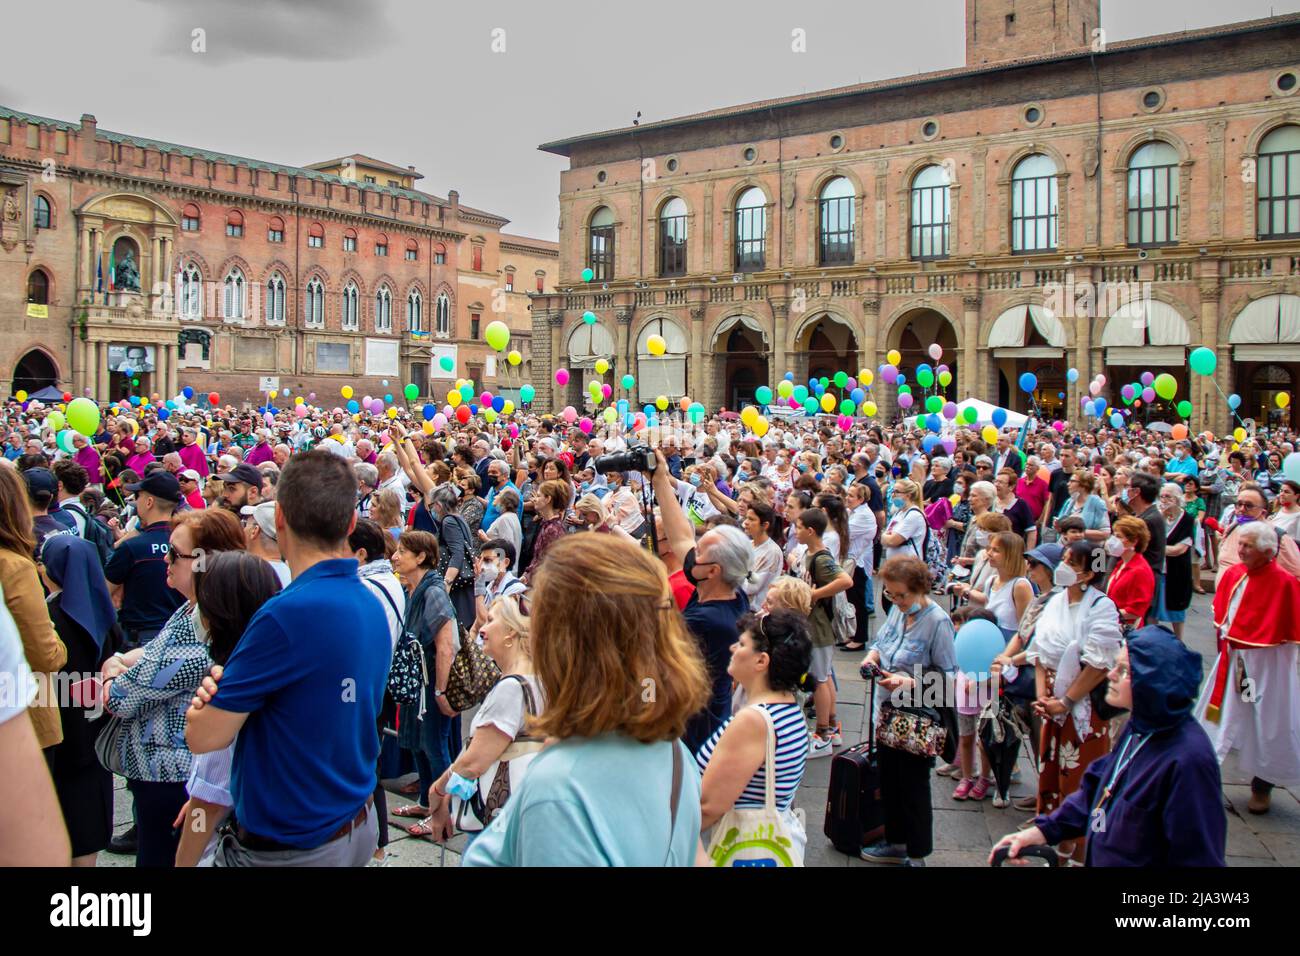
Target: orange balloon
x=1179, y=432
x=1044, y=473
x=685, y=403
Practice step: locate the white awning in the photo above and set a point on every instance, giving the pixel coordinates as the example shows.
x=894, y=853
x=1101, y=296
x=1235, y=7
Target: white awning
x=1266, y=353
x=1030, y=352
x=587, y=343
x=1147, y=355
x=1011, y=329
x=735, y=320
x=673, y=336
x=1273, y=318
x=1144, y=321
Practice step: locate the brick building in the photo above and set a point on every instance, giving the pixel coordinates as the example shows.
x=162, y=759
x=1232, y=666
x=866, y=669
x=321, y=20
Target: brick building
x=1058, y=202
x=125, y=259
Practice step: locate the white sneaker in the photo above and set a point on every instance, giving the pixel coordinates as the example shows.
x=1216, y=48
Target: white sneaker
x=819, y=746
x=837, y=736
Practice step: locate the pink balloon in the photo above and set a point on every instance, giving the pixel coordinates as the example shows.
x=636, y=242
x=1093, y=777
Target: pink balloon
x=270, y=419
x=851, y=384
x=485, y=399
x=1095, y=388
x=1148, y=395
x=936, y=351
x=561, y=376
x=569, y=414
x=439, y=422
x=950, y=410
x=311, y=397
x=949, y=445
x=448, y=412
x=606, y=390
x=791, y=402
x=845, y=422
x=1101, y=379
x=585, y=425
x=514, y=430
x=365, y=402
x=905, y=400
x=300, y=411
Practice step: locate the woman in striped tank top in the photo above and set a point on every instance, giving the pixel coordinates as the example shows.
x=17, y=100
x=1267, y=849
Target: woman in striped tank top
x=770, y=661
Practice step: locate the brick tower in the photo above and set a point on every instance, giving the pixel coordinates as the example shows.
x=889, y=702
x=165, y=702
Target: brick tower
x=998, y=30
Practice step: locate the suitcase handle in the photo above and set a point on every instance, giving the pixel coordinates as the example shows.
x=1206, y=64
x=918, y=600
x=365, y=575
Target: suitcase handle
x=1047, y=853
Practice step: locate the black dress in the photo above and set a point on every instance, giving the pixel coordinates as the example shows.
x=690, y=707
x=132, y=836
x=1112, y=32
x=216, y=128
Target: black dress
x=1178, y=570
x=84, y=787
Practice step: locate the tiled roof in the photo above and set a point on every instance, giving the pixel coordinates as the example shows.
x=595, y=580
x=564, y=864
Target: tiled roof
x=561, y=146
x=542, y=245
x=361, y=159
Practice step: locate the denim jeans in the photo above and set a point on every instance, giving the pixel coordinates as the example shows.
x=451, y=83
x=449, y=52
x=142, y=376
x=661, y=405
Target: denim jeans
x=434, y=756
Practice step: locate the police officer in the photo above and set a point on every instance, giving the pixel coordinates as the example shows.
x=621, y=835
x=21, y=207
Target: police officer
x=137, y=571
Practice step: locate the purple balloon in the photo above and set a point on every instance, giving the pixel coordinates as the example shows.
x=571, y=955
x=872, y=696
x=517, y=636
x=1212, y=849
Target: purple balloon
x=889, y=375
x=1127, y=392
x=941, y=368
x=1148, y=395
x=950, y=445
x=851, y=384
x=905, y=400
x=950, y=410
x=1146, y=378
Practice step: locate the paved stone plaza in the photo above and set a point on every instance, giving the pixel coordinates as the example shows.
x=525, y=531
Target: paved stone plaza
x=963, y=831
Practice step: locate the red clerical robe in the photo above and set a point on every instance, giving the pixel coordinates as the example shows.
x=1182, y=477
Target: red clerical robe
x=1266, y=616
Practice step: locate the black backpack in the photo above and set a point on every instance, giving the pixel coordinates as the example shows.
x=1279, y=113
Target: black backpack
x=97, y=533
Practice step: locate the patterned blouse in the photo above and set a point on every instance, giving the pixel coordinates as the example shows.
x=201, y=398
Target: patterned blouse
x=152, y=698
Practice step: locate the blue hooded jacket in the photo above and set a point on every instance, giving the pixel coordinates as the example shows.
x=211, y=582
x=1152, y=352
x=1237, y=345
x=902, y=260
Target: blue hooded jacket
x=1166, y=806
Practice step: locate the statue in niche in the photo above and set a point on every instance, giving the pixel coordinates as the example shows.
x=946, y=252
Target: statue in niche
x=127, y=274
x=11, y=213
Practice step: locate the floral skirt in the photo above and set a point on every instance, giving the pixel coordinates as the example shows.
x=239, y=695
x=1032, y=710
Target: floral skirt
x=1063, y=759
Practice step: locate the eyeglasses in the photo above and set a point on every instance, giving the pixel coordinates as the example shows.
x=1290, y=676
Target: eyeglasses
x=172, y=557
x=1247, y=506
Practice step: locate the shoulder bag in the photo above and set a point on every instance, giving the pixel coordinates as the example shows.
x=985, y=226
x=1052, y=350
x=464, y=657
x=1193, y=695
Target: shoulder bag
x=473, y=674
x=500, y=780
x=756, y=836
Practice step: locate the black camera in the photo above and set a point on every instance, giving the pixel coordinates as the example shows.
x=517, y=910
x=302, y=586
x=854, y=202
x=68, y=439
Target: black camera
x=635, y=458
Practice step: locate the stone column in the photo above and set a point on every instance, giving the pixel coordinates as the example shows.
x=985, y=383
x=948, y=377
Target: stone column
x=698, y=382
x=554, y=394
x=622, y=358
x=776, y=366
x=162, y=372
x=870, y=333
x=97, y=255
x=87, y=272
x=972, y=383
x=101, y=371
x=1212, y=410
x=1082, y=348
x=155, y=267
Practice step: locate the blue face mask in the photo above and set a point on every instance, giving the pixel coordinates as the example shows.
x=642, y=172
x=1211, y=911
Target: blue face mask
x=914, y=609
x=1123, y=496
x=695, y=480
x=803, y=466
x=896, y=501
x=742, y=476
x=586, y=485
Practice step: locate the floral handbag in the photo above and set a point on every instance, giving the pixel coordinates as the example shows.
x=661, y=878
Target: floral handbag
x=911, y=730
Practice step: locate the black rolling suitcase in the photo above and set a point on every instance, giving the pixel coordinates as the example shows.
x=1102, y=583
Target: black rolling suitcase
x=854, y=815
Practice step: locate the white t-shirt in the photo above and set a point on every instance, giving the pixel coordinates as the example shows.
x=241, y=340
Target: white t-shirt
x=911, y=525
x=504, y=706
x=14, y=671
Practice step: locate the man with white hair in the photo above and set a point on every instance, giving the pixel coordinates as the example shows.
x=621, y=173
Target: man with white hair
x=260, y=538
x=282, y=453
x=262, y=450
x=367, y=482
x=392, y=476
x=1251, y=701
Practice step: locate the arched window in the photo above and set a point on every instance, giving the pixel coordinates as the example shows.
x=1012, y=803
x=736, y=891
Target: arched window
x=672, y=238
x=383, y=310
x=190, y=218
x=235, y=224
x=381, y=245
x=42, y=215
x=316, y=236
x=38, y=287
x=930, y=213
x=1153, y=195
x=835, y=223
x=412, y=250
x=349, y=240
x=751, y=231
x=1033, y=205
x=1279, y=184
x=190, y=295
x=443, y=314
x=234, y=294
x=275, y=229
x=440, y=255
x=415, y=311
x=351, y=313
x=273, y=305
x=600, y=248
x=314, y=304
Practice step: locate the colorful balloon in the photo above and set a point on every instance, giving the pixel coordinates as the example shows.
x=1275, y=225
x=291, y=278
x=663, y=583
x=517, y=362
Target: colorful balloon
x=1166, y=386
x=1203, y=361
x=561, y=376
x=656, y=345
x=497, y=335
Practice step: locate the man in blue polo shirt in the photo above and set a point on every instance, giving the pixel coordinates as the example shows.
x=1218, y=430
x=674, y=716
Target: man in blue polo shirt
x=303, y=690
x=498, y=473
x=137, y=570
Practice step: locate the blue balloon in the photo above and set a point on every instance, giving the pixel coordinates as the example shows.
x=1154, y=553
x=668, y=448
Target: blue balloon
x=1072, y=375
x=1028, y=382
x=934, y=423
x=858, y=396
x=354, y=406
x=819, y=388
x=429, y=411
x=1060, y=395
x=187, y=392
x=812, y=384
x=929, y=442
x=171, y=405
x=135, y=399
x=978, y=642
x=1100, y=406
x=789, y=376
x=653, y=422
x=999, y=417
x=649, y=411
x=163, y=414
x=1117, y=420
x=388, y=399
x=1234, y=401
x=902, y=379
x=923, y=367
x=629, y=420
x=498, y=403
x=622, y=406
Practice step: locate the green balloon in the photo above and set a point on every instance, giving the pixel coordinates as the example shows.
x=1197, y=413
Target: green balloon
x=412, y=392
x=934, y=403
x=801, y=394
x=1166, y=386
x=825, y=381
x=587, y=275
x=1203, y=361
x=628, y=382
x=810, y=406
x=763, y=394
x=925, y=378
x=847, y=407
x=1185, y=409
x=969, y=415
x=842, y=379
x=905, y=390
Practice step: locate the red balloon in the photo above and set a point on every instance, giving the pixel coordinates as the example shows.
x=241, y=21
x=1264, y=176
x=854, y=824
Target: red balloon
x=213, y=398
x=67, y=396
x=462, y=413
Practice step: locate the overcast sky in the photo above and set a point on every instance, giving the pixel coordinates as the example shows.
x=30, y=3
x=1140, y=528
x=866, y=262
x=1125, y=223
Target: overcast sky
x=416, y=82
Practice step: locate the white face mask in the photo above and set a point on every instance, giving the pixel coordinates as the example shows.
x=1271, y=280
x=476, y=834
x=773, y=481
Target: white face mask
x=982, y=538
x=1114, y=546
x=488, y=570
x=1064, y=575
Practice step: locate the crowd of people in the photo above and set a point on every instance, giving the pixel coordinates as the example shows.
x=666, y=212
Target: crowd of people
x=254, y=618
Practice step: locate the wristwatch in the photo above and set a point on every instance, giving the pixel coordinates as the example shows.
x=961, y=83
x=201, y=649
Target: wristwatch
x=439, y=693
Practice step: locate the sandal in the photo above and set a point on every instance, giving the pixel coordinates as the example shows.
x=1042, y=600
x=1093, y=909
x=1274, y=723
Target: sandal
x=414, y=810
x=422, y=829
x=950, y=770
x=852, y=648
x=981, y=788
x=963, y=789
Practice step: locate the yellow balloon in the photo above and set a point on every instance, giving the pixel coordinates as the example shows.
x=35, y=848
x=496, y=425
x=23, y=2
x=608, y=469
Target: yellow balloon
x=1283, y=399
x=346, y=391
x=828, y=402
x=760, y=426
x=601, y=366
x=894, y=356
x=453, y=398
x=955, y=500
x=989, y=434
x=656, y=345
x=749, y=415
x=428, y=428
x=661, y=403
x=21, y=395
x=298, y=400
x=392, y=412
x=509, y=408
x=490, y=415
x=1239, y=433
x=869, y=408
x=272, y=393
x=866, y=377
x=514, y=358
